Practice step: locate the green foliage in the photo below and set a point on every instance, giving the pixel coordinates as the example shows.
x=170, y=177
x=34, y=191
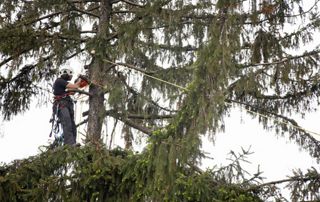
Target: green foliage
x=16, y=92
x=220, y=51
x=265, y=46
x=116, y=96
x=93, y=173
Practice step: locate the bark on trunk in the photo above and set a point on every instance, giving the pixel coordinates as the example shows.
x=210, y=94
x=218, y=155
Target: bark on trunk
x=97, y=73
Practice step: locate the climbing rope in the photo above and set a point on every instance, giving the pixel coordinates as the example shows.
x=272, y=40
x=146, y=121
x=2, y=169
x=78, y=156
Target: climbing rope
x=186, y=90
x=283, y=122
x=148, y=75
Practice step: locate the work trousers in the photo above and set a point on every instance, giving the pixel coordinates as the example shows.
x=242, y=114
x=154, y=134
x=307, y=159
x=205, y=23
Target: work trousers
x=66, y=118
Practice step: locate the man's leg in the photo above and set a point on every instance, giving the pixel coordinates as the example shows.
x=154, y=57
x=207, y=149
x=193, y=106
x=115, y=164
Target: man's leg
x=67, y=126
x=74, y=130
x=74, y=127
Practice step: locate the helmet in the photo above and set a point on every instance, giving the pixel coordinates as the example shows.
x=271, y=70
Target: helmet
x=65, y=71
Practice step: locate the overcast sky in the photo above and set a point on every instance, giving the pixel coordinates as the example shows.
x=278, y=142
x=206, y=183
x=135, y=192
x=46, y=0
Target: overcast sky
x=24, y=134
x=275, y=156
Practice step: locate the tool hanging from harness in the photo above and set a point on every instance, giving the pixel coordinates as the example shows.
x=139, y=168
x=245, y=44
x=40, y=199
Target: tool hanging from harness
x=58, y=103
x=55, y=124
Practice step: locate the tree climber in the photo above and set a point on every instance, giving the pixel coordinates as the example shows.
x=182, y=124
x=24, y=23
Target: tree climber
x=63, y=106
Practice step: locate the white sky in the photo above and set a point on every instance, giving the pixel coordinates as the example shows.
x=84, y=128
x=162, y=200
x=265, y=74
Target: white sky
x=277, y=158
x=24, y=134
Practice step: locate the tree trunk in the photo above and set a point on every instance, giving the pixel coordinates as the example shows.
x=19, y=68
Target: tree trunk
x=97, y=73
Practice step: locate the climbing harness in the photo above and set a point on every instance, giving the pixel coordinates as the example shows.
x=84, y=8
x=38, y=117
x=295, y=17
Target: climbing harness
x=59, y=102
x=56, y=127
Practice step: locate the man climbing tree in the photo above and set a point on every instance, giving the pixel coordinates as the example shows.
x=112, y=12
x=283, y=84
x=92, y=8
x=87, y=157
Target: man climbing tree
x=127, y=40
x=63, y=105
x=222, y=53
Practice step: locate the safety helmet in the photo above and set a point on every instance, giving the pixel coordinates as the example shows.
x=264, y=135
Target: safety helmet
x=65, y=71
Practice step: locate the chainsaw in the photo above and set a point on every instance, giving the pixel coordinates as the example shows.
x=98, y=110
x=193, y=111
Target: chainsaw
x=84, y=80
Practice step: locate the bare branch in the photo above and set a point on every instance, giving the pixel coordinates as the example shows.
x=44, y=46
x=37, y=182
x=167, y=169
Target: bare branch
x=133, y=91
x=88, y=32
x=148, y=116
x=42, y=18
x=82, y=122
x=82, y=1
x=293, y=179
x=122, y=118
x=130, y=123
x=87, y=12
x=123, y=12
x=14, y=56
x=132, y=3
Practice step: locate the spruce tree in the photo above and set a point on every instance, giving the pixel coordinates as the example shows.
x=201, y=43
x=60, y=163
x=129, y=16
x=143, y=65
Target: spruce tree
x=242, y=52
x=171, y=69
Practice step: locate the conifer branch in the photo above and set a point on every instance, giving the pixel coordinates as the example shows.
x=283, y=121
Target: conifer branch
x=183, y=22
x=186, y=48
x=249, y=16
x=28, y=68
x=88, y=32
x=311, y=53
x=288, y=95
x=123, y=12
x=82, y=1
x=181, y=48
x=189, y=16
x=133, y=91
x=128, y=122
x=192, y=16
x=69, y=1
x=135, y=68
x=130, y=3
x=152, y=116
x=31, y=21
x=134, y=116
x=87, y=12
x=82, y=122
x=262, y=110
x=305, y=12
x=294, y=123
x=16, y=55
x=66, y=37
x=5, y=61
x=42, y=18
x=122, y=117
x=293, y=179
